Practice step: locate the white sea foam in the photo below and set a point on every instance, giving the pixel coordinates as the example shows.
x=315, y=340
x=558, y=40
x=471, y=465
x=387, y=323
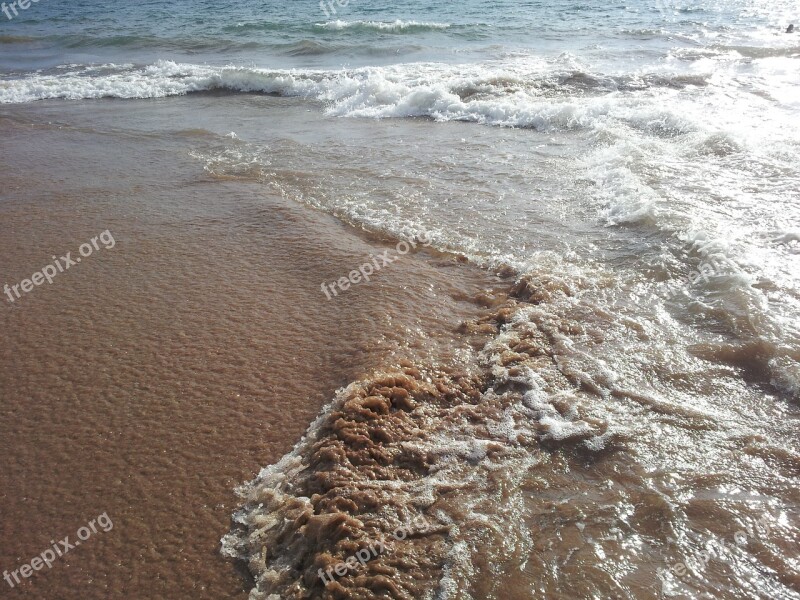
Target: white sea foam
x=494, y=94
x=511, y=95
x=398, y=25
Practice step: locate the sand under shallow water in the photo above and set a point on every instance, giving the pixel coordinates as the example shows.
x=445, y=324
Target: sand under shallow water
x=153, y=377
x=488, y=482
x=541, y=425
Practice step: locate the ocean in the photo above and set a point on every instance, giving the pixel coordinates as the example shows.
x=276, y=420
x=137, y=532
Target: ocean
x=579, y=378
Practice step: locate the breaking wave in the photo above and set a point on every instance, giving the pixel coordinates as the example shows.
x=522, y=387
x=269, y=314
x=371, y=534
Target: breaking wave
x=397, y=26
x=537, y=96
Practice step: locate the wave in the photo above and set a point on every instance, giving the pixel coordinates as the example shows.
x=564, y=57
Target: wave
x=433, y=464
x=310, y=48
x=521, y=96
x=16, y=39
x=397, y=26
x=735, y=52
x=761, y=52
x=137, y=42
x=421, y=452
x=256, y=26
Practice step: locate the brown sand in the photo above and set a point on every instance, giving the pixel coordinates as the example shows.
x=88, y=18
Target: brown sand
x=149, y=380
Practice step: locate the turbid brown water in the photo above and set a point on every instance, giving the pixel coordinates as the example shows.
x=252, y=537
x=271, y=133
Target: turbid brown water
x=551, y=429
x=151, y=378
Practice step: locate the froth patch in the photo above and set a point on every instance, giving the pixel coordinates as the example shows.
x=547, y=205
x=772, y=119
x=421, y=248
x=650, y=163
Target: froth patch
x=422, y=446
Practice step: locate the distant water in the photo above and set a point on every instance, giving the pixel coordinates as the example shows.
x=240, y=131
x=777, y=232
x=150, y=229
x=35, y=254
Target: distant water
x=634, y=165
x=298, y=33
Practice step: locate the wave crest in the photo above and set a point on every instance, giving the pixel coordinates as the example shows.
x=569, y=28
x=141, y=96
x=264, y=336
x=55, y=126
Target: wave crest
x=397, y=26
x=542, y=95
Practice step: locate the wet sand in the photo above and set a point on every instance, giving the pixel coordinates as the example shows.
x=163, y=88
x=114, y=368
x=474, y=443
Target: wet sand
x=152, y=378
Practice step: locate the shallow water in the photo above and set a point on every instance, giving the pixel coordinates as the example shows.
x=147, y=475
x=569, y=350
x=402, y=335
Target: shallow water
x=150, y=379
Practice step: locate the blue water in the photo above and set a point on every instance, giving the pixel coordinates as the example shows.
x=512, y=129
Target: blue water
x=300, y=33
